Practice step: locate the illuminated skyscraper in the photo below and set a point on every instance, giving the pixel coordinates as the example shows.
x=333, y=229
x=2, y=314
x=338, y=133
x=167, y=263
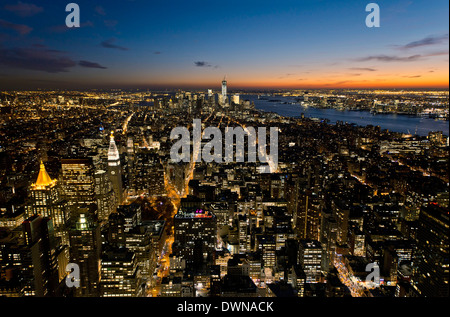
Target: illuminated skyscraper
x=308, y=216
x=119, y=262
x=105, y=195
x=45, y=201
x=44, y=195
x=40, y=240
x=236, y=99
x=115, y=170
x=310, y=258
x=224, y=87
x=223, y=96
x=85, y=250
x=78, y=186
x=195, y=235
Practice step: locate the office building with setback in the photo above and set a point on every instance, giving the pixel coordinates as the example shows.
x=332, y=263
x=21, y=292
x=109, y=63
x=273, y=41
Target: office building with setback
x=195, y=231
x=85, y=250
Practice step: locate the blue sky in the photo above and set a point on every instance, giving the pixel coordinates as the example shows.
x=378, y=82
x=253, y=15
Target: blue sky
x=125, y=43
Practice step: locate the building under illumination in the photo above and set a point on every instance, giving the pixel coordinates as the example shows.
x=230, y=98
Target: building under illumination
x=195, y=231
x=77, y=181
x=433, y=245
x=106, y=201
x=115, y=170
x=45, y=201
x=310, y=258
x=119, y=272
x=85, y=251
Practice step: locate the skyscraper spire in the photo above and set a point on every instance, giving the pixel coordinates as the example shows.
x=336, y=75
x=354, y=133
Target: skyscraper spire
x=113, y=153
x=224, y=90
x=114, y=169
x=43, y=179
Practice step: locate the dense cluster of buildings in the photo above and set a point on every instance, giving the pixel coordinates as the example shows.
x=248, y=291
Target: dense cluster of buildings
x=87, y=178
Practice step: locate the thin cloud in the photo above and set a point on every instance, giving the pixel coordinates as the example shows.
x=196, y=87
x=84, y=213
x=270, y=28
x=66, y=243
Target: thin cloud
x=427, y=41
x=204, y=64
x=110, y=44
x=390, y=58
x=24, y=9
x=414, y=76
x=49, y=61
x=91, y=65
x=22, y=29
x=367, y=69
x=339, y=83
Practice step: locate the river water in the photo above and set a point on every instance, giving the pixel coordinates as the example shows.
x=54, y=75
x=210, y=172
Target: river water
x=393, y=122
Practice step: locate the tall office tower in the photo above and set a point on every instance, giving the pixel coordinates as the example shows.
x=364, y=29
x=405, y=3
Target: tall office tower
x=341, y=213
x=298, y=279
x=308, y=216
x=223, y=97
x=130, y=161
x=85, y=251
x=115, y=170
x=433, y=245
x=40, y=240
x=236, y=99
x=45, y=201
x=195, y=233
x=139, y=241
x=149, y=174
x=328, y=237
x=244, y=234
x=224, y=87
x=77, y=181
x=106, y=199
x=266, y=243
x=119, y=273
x=310, y=258
x=211, y=97
x=132, y=215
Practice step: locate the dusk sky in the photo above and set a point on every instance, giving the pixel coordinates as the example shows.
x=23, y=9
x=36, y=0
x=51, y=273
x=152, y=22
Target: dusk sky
x=256, y=44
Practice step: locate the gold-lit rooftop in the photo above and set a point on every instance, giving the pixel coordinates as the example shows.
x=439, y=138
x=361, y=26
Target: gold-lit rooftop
x=44, y=180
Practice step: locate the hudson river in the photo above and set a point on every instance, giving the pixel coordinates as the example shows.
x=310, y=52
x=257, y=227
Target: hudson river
x=392, y=122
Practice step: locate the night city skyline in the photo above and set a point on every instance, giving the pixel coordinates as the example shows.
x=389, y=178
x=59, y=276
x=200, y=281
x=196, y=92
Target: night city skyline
x=225, y=156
